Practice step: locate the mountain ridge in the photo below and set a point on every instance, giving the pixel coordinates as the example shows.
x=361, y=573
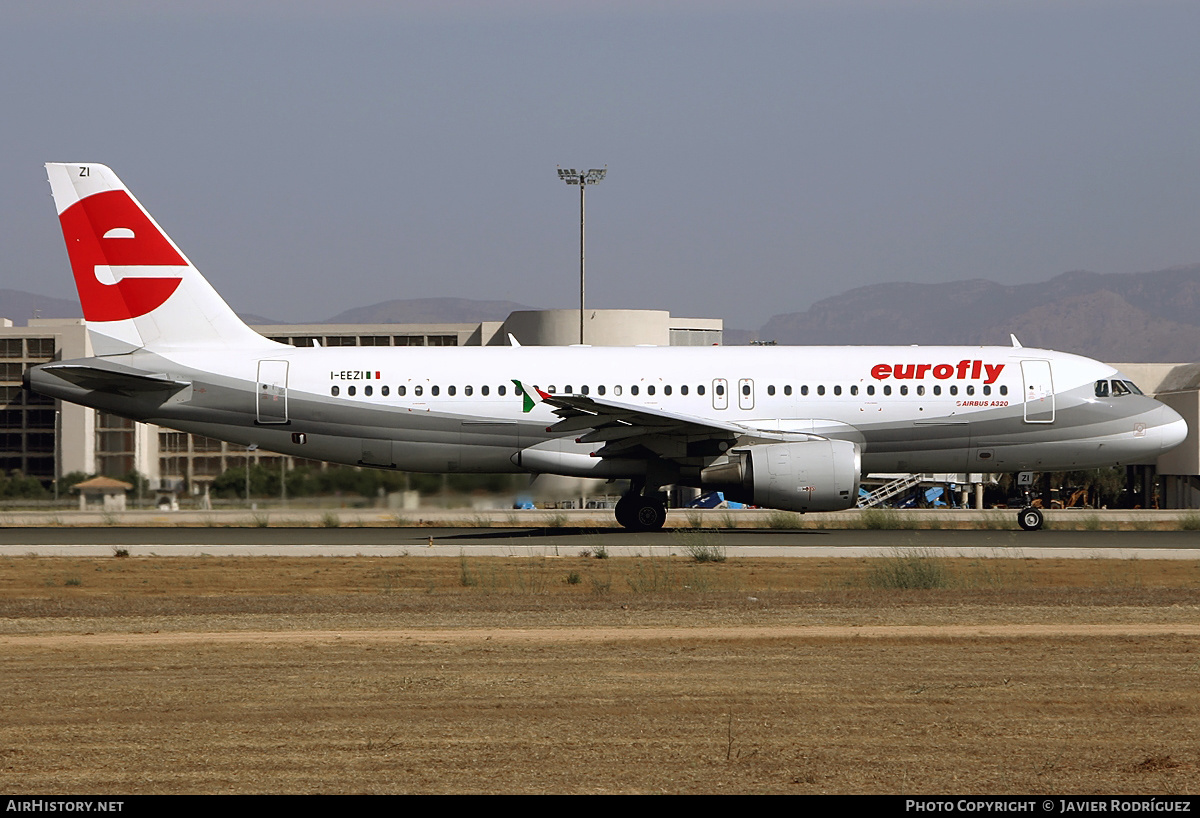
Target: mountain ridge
x=1153, y=316
x=1150, y=316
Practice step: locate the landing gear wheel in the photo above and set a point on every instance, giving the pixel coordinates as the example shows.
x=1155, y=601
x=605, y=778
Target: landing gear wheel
x=626, y=508
x=650, y=516
x=1030, y=519
x=638, y=513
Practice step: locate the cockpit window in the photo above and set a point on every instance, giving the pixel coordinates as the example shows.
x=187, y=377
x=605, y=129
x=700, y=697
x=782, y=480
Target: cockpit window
x=1116, y=388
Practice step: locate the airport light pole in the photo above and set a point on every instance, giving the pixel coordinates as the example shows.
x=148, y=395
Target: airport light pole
x=583, y=179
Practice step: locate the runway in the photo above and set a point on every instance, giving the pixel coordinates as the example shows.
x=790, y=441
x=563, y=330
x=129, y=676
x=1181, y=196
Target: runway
x=560, y=542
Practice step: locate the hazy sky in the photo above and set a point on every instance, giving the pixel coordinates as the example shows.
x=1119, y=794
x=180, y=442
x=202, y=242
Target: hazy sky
x=315, y=156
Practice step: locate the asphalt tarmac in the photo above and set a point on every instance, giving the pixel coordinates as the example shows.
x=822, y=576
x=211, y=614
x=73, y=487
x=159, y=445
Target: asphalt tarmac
x=558, y=542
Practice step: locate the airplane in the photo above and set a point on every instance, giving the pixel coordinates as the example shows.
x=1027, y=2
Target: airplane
x=791, y=428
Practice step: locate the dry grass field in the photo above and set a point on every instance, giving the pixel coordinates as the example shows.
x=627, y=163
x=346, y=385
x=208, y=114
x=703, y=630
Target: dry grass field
x=580, y=675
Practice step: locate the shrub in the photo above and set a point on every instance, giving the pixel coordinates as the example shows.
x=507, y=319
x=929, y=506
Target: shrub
x=910, y=570
x=784, y=520
x=701, y=546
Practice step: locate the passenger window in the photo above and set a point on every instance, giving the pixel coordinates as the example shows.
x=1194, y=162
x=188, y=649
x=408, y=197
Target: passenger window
x=970, y=389
x=435, y=391
x=401, y=390
x=745, y=389
x=903, y=389
x=804, y=389
x=683, y=389
x=870, y=389
x=585, y=390
x=350, y=391
x=720, y=389
x=1003, y=389
x=633, y=390
x=451, y=390
x=700, y=389
x=920, y=389
x=953, y=389
x=367, y=391
x=334, y=391
x=854, y=389
x=937, y=389
x=383, y=390
x=666, y=390
x=787, y=390
x=837, y=390
x=501, y=390
x=553, y=390
x=617, y=390
x=987, y=390
x=650, y=390
x=484, y=390
x=887, y=389
x=771, y=390
x=468, y=391
x=600, y=389
x=821, y=389
x=567, y=390
x=418, y=391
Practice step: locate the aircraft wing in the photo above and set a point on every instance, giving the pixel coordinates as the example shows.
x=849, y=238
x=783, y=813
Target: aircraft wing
x=624, y=429
x=98, y=379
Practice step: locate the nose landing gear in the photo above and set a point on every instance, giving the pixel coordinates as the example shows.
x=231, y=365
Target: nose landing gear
x=1030, y=519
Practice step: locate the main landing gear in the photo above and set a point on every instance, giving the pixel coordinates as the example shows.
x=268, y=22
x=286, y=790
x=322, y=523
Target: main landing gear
x=637, y=512
x=1030, y=518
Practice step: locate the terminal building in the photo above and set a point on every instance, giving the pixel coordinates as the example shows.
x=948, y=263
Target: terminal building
x=47, y=439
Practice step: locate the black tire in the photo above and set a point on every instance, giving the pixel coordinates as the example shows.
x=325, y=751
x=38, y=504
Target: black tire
x=650, y=516
x=1030, y=519
x=626, y=510
x=638, y=513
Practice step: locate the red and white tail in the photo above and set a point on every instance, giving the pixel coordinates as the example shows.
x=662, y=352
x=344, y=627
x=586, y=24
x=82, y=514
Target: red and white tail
x=136, y=287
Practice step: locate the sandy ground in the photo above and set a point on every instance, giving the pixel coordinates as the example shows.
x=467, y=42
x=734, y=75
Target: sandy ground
x=248, y=675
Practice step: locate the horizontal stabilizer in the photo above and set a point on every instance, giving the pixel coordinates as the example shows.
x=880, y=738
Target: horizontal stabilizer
x=96, y=379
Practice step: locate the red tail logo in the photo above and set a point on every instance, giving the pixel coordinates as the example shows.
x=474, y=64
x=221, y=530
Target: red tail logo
x=110, y=229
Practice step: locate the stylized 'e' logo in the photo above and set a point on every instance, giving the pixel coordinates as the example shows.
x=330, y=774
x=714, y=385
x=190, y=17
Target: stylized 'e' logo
x=110, y=229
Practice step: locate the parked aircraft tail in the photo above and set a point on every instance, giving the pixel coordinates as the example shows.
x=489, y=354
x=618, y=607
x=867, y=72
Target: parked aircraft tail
x=137, y=288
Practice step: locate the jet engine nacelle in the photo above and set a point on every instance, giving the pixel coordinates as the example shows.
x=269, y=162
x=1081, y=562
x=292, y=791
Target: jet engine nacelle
x=811, y=475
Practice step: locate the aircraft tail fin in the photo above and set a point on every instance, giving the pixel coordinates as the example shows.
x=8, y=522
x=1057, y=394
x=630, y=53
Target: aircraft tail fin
x=137, y=289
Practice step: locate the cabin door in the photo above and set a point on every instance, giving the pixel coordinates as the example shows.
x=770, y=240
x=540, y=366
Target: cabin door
x=1039, y=391
x=272, y=391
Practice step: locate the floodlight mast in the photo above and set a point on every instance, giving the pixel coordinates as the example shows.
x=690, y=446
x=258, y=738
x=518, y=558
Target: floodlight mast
x=583, y=179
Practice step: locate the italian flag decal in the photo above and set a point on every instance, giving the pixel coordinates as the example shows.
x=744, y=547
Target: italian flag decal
x=528, y=404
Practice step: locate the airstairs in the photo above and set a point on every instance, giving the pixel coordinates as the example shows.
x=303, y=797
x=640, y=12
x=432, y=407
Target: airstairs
x=887, y=491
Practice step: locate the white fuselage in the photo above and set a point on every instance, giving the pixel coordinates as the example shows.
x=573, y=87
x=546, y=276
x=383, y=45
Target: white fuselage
x=458, y=409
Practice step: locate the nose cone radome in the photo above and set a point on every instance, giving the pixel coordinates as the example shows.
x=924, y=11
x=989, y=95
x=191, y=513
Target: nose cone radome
x=1173, y=429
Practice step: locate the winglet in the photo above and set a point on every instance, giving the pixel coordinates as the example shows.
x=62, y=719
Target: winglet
x=1015, y=342
x=529, y=403
x=512, y=340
